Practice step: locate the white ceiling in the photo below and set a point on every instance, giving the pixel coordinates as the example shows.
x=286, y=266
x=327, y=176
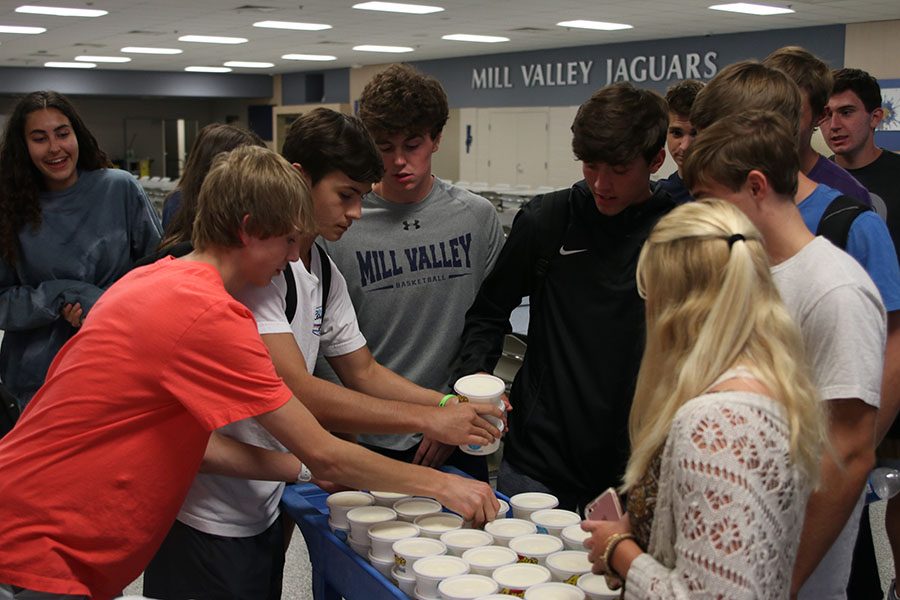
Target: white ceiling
x=530, y=25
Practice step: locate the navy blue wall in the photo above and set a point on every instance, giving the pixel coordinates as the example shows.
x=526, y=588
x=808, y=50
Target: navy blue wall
x=337, y=86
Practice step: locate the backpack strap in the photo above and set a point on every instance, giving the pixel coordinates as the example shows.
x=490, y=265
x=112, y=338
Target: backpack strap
x=552, y=215
x=325, y=263
x=290, y=296
x=838, y=218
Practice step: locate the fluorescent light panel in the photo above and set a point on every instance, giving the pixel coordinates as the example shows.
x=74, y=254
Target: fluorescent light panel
x=466, y=37
x=58, y=11
x=69, y=65
x=208, y=69
x=749, y=8
x=103, y=59
x=248, y=64
x=149, y=50
x=212, y=39
x=397, y=7
x=311, y=57
x=388, y=49
x=20, y=29
x=599, y=25
x=292, y=25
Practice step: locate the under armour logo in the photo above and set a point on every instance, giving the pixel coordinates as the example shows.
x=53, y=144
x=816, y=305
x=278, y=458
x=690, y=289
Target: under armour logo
x=413, y=224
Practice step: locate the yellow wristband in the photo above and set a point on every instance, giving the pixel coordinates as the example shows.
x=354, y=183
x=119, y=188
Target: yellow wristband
x=446, y=399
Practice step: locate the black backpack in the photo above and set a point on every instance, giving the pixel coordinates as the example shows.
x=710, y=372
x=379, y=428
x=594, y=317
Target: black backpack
x=838, y=218
x=290, y=297
x=553, y=221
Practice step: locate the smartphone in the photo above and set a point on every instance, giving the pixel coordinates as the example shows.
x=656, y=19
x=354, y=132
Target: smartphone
x=605, y=507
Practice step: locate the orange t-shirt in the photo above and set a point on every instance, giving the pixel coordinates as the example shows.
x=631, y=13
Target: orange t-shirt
x=92, y=476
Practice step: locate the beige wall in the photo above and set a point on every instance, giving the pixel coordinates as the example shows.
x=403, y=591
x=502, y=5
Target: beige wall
x=874, y=47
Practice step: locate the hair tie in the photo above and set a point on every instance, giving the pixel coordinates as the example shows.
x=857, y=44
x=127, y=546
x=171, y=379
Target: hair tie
x=737, y=237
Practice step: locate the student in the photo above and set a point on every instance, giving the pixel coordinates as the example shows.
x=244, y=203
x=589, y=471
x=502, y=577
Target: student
x=71, y=226
x=726, y=426
x=239, y=518
x=568, y=432
x=749, y=159
x=680, y=134
x=414, y=264
x=96, y=469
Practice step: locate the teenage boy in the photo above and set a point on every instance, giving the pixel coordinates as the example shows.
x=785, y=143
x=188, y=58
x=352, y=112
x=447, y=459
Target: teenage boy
x=414, y=264
x=813, y=77
x=575, y=252
x=680, y=98
x=239, y=517
x=851, y=117
x=752, y=160
x=97, y=467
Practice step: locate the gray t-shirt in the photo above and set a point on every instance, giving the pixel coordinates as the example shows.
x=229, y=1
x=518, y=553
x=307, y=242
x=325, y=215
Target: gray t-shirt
x=843, y=323
x=413, y=271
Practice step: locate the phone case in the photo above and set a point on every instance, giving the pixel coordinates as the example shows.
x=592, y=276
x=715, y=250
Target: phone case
x=605, y=507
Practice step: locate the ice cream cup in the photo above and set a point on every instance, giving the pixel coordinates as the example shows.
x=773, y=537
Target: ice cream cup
x=481, y=388
x=466, y=587
x=388, y=498
x=498, y=597
x=535, y=548
x=504, y=530
x=382, y=566
x=554, y=591
x=568, y=565
x=383, y=535
x=516, y=579
x=340, y=503
x=411, y=508
x=553, y=520
x=363, y=517
x=485, y=559
x=361, y=549
x=460, y=540
x=504, y=509
x=484, y=450
x=432, y=570
x=435, y=525
x=406, y=583
x=341, y=533
x=573, y=537
x=408, y=551
x=528, y=502
x=595, y=587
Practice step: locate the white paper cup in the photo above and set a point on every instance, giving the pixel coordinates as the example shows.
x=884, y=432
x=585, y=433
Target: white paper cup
x=340, y=503
x=553, y=520
x=383, y=535
x=573, y=537
x=411, y=508
x=466, y=587
x=484, y=450
x=361, y=549
x=481, y=388
x=363, y=517
x=341, y=533
x=434, y=526
x=554, y=591
x=382, y=566
x=516, y=579
x=406, y=583
x=504, y=509
x=460, y=540
x=526, y=503
x=388, y=498
x=504, y=530
x=432, y=570
x=595, y=587
x=567, y=566
x=408, y=551
x=535, y=548
x=484, y=560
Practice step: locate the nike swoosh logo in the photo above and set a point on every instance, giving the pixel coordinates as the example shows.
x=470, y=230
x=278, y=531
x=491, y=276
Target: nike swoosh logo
x=564, y=252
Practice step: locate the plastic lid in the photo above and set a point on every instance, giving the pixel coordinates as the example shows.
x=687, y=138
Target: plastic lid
x=371, y=514
x=439, y=522
x=572, y=561
x=479, y=386
x=350, y=498
x=417, y=506
x=440, y=566
x=554, y=591
x=490, y=556
x=510, y=527
x=536, y=543
x=467, y=538
x=393, y=530
x=534, y=500
x=555, y=517
x=521, y=575
x=467, y=586
x=419, y=547
x=596, y=584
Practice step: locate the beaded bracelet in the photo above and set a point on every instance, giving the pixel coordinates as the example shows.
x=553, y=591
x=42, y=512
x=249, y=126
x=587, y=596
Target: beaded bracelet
x=611, y=544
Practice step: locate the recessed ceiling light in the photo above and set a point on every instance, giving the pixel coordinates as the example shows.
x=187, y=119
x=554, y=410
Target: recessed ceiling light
x=69, y=65
x=212, y=39
x=103, y=59
x=208, y=69
x=248, y=64
x=601, y=25
x=752, y=9
x=389, y=49
x=58, y=11
x=313, y=57
x=147, y=50
x=292, y=25
x=397, y=7
x=20, y=29
x=465, y=37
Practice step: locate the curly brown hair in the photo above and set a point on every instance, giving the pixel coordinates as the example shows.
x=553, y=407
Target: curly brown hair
x=20, y=180
x=401, y=99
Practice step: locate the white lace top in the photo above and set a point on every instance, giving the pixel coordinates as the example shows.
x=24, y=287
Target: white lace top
x=730, y=504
